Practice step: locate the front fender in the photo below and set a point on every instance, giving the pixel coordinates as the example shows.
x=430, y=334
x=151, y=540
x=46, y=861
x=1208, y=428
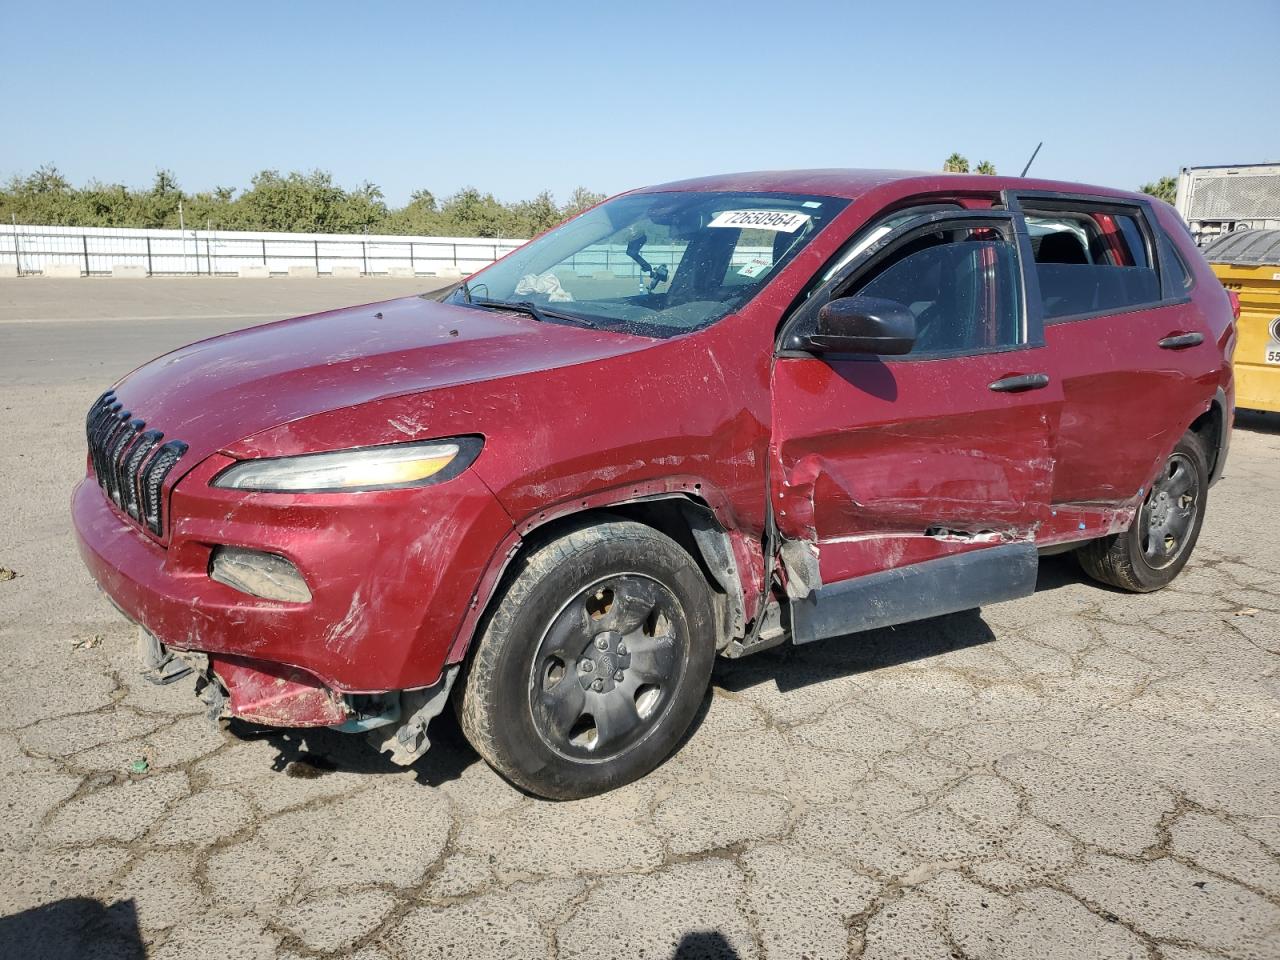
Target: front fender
x=731, y=556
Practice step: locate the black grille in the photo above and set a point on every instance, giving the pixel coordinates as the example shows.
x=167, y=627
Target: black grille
x=129, y=461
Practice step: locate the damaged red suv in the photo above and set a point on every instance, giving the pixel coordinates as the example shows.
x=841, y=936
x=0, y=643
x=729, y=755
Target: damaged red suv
x=700, y=419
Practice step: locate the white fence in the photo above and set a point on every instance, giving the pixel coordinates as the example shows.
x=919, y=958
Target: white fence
x=98, y=250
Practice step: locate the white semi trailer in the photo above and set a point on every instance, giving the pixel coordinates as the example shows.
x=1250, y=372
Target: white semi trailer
x=1221, y=199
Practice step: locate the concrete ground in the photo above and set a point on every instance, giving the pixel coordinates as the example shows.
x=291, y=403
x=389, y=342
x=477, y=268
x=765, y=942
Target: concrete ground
x=1082, y=773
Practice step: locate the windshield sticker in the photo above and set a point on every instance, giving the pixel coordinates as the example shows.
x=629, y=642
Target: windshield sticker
x=777, y=220
x=754, y=267
x=813, y=204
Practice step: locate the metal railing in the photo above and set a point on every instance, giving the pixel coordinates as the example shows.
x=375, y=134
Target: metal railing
x=214, y=253
x=90, y=252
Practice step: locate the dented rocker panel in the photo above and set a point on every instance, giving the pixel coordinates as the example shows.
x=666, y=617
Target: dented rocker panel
x=928, y=589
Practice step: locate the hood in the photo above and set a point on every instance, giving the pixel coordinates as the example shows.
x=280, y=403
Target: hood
x=216, y=392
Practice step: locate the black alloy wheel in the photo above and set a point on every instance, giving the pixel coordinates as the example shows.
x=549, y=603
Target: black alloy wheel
x=606, y=669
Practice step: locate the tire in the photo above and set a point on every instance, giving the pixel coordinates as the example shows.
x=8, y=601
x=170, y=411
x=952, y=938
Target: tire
x=1159, y=542
x=593, y=661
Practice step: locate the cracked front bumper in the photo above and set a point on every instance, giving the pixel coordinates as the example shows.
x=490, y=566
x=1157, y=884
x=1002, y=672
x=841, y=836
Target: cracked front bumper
x=391, y=573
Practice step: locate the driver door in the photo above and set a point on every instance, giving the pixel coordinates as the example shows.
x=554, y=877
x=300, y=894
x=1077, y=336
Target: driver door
x=881, y=463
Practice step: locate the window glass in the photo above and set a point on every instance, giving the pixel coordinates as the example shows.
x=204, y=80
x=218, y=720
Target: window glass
x=754, y=254
x=961, y=285
x=1179, y=266
x=1134, y=241
x=1091, y=262
x=883, y=228
x=655, y=264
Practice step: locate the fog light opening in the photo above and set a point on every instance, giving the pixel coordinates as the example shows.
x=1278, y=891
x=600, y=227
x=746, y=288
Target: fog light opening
x=259, y=574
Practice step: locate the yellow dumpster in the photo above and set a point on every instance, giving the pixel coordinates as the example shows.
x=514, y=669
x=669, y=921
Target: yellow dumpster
x=1248, y=263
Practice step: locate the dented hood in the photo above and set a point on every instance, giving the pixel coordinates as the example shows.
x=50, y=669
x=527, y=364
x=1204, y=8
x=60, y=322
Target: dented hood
x=216, y=392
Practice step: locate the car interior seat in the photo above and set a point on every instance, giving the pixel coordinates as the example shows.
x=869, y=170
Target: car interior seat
x=1061, y=247
x=1068, y=281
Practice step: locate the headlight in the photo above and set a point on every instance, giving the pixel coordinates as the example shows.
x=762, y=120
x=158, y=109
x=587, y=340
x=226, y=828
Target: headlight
x=366, y=468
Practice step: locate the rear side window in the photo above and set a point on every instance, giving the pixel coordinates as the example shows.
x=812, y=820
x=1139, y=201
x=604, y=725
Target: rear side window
x=1092, y=261
x=1179, y=266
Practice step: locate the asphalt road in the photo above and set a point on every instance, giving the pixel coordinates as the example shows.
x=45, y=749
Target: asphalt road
x=1081, y=773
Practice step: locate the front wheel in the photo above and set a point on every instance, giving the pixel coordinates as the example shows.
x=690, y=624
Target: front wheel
x=1159, y=542
x=593, y=662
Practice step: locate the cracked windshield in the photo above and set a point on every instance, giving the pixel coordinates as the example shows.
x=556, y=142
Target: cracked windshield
x=654, y=264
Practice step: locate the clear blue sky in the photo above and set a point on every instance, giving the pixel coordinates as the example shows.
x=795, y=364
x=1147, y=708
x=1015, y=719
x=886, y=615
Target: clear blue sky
x=517, y=97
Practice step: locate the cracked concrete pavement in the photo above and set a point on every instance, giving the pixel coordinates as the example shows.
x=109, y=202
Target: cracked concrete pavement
x=1081, y=773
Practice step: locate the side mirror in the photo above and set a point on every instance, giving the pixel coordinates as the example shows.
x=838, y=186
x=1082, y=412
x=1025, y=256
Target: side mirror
x=863, y=325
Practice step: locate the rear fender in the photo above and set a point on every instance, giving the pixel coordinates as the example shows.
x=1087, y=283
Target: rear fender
x=1220, y=415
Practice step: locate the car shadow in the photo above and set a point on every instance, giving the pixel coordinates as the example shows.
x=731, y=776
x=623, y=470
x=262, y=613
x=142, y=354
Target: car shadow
x=1063, y=570
x=792, y=667
x=869, y=374
x=314, y=752
x=307, y=753
x=72, y=929
x=1257, y=421
x=704, y=945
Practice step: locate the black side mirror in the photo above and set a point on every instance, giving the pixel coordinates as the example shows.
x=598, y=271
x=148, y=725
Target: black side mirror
x=863, y=325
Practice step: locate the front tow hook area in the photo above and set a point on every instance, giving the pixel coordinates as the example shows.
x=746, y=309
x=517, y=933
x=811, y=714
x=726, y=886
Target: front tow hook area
x=159, y=664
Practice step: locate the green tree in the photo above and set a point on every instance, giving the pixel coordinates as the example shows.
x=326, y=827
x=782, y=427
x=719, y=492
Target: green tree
x=956, y=163
x=536, y=215
x=307, y=203
x=47, y=179
x=295, y=201
x=421, y=216
x=424, y=198
x=1166, y=189
x=986, y=168
x=44, y=197
x=165, y=183
x=470, y=213
x=580, y=200
x=107, y=205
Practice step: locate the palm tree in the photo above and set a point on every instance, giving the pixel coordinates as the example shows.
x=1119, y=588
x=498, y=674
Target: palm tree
x=956, y=164
x=1166, y=188
x=986, y=168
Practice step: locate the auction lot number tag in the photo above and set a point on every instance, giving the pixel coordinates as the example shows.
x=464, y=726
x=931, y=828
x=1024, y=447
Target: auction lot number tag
x=777, y=220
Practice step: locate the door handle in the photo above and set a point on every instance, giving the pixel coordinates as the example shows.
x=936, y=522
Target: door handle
x=1025, y=381
x=1181, y=341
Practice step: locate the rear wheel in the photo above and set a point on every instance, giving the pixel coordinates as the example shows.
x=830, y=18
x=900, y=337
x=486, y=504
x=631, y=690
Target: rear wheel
x=1158, y=544
x=593, y=662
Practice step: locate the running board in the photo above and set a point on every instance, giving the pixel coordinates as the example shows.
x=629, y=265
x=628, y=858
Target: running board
x=929, y=589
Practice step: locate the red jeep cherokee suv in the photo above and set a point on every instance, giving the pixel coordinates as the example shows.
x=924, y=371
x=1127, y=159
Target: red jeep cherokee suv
x=702, y=418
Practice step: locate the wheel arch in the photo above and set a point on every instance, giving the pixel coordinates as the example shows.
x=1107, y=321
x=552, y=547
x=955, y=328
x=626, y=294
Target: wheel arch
x=729, y=559
x=1214, y=432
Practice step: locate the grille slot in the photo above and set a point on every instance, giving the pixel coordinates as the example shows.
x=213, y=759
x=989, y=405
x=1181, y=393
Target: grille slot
x=156, y=471
x=129, y=462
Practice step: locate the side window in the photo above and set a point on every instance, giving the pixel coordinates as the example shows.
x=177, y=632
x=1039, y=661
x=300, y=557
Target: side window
x=960, y=283
x=1181, y=273
x=862, y=241
x=1134, y=243
x=1091, y=261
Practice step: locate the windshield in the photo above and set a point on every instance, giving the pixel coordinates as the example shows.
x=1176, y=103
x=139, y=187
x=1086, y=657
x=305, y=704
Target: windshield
x=654, y=264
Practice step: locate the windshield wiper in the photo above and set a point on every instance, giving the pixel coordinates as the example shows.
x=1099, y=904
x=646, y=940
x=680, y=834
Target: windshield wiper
x=532, y=309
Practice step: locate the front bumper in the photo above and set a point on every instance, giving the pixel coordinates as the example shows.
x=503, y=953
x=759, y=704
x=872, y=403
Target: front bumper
x=391, y=573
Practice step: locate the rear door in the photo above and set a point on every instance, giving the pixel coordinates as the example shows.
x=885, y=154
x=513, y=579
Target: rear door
x=881, y=462
x=1135, y=363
